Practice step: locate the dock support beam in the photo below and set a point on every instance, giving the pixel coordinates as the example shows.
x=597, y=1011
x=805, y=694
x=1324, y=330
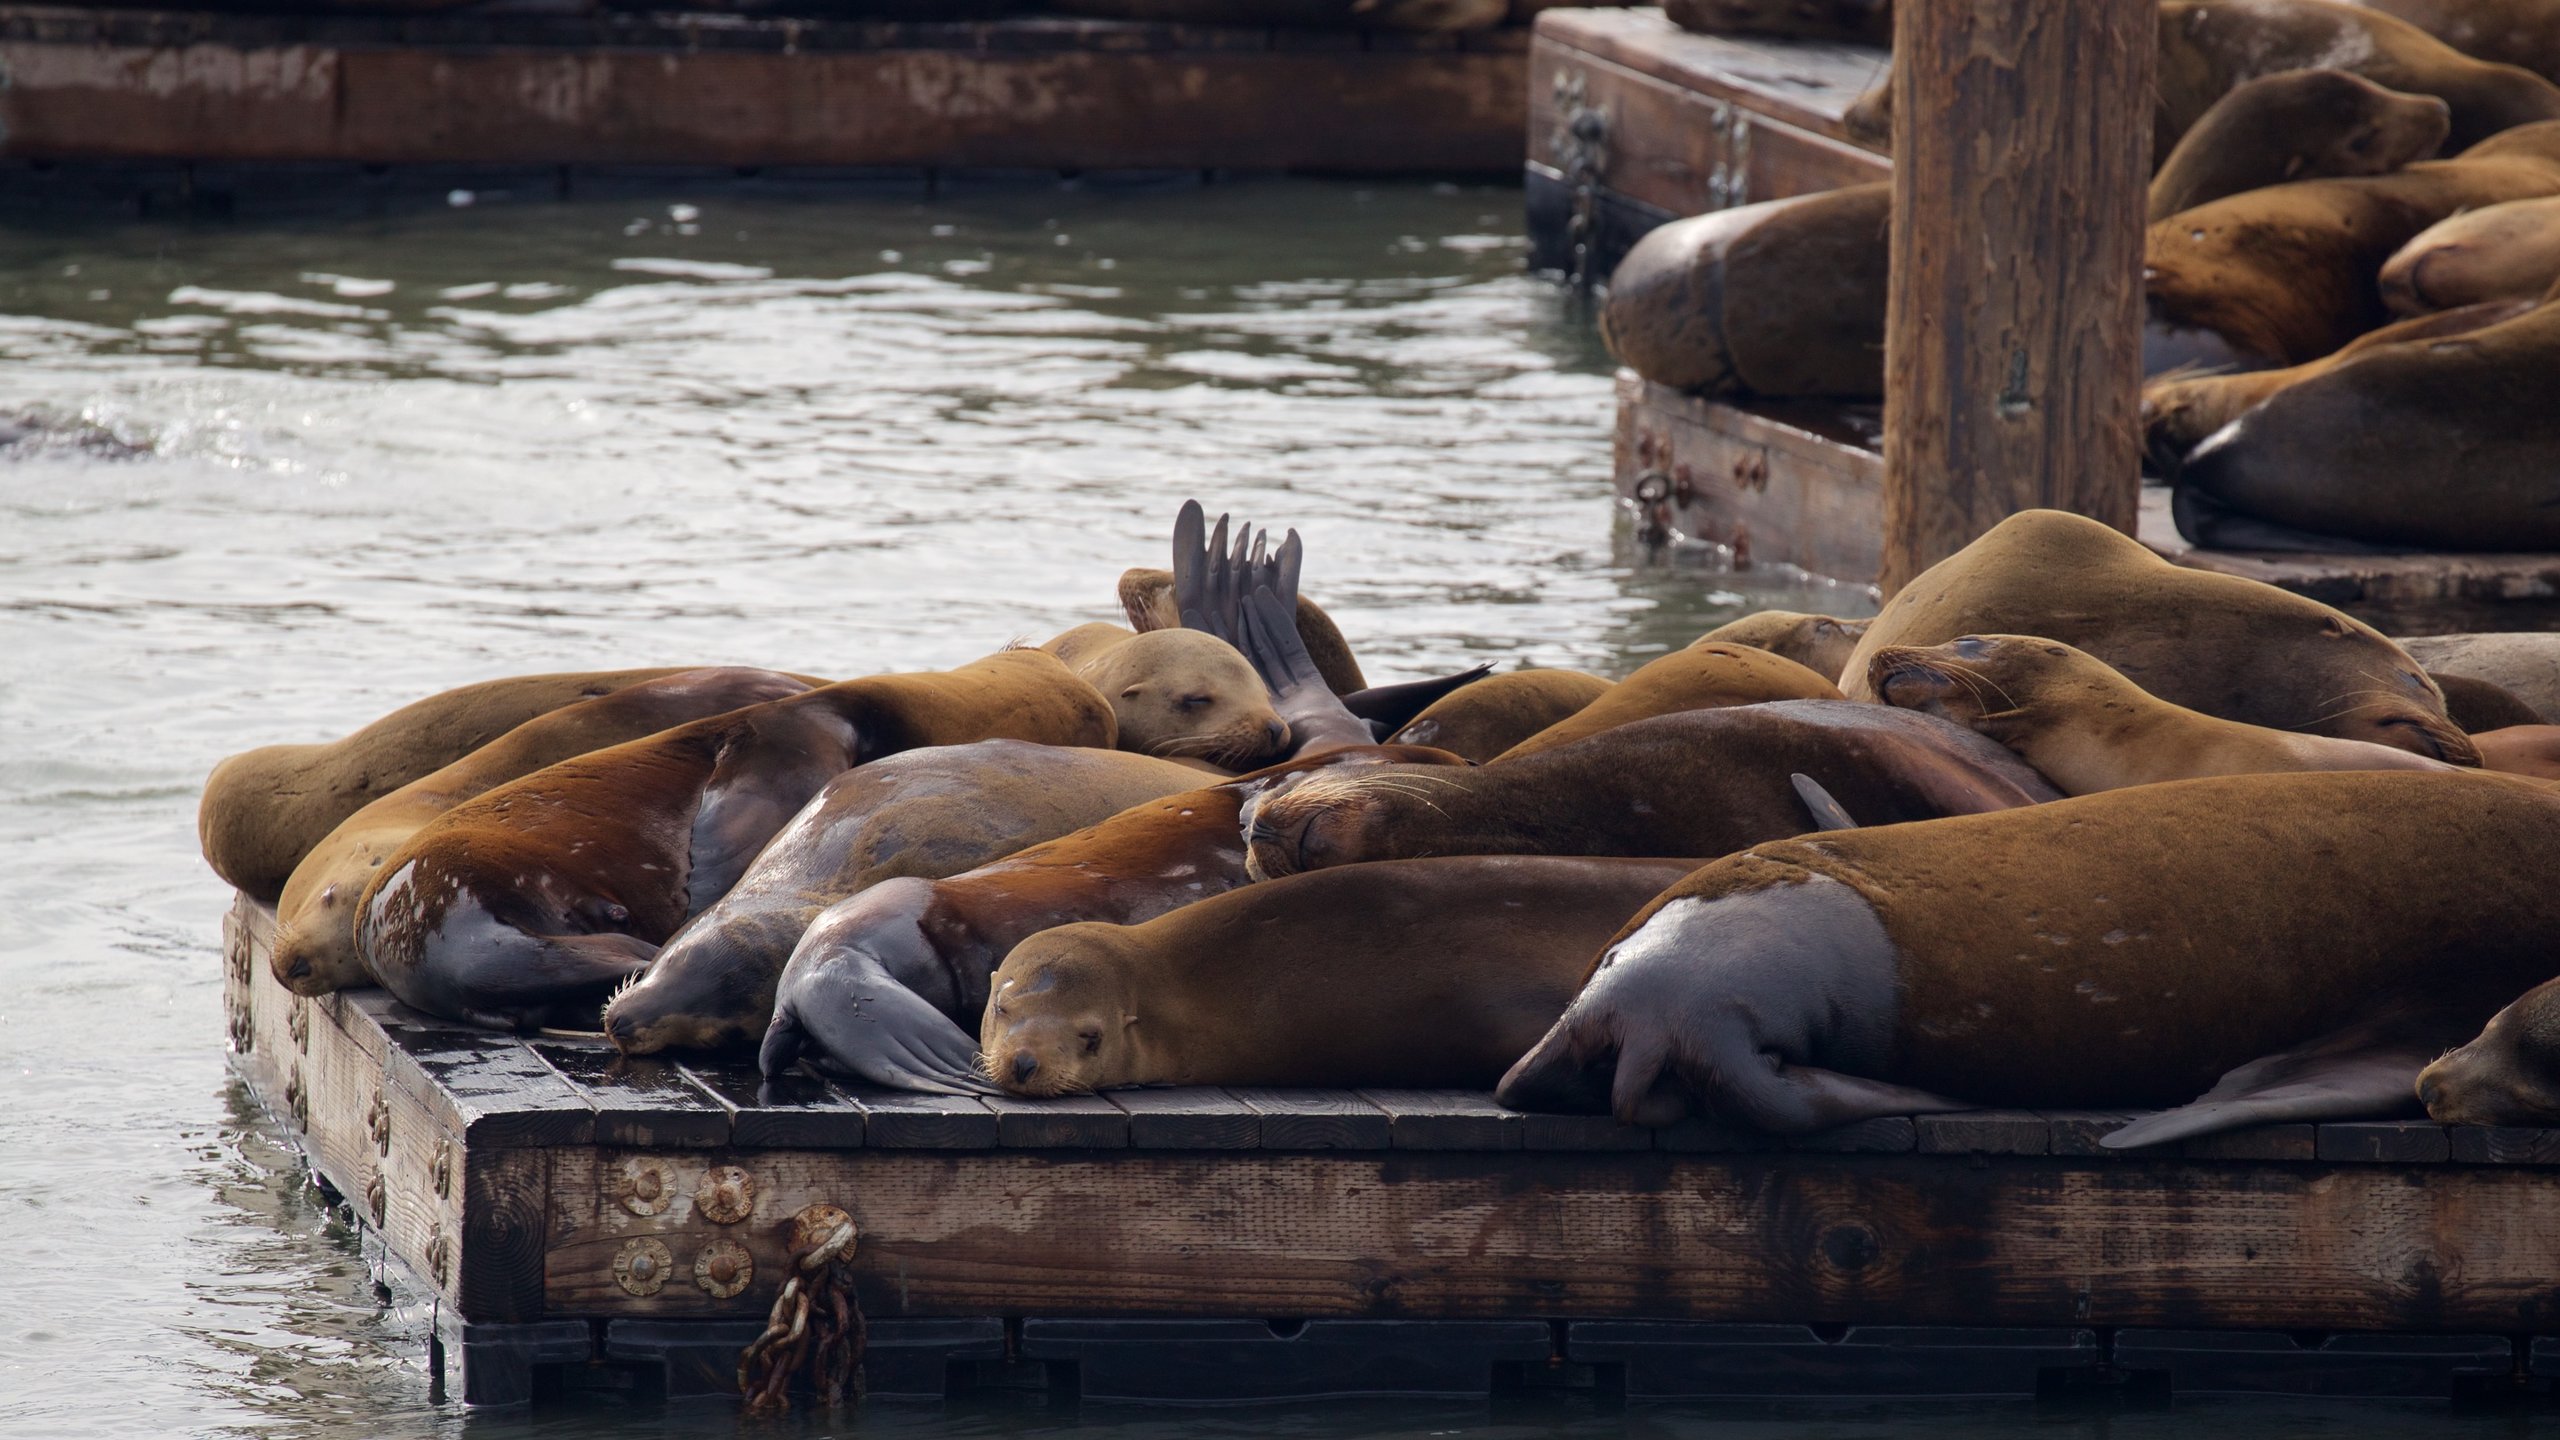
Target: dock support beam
x=2013, y=340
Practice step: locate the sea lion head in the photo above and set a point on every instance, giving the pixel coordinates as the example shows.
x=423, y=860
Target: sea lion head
x=710, y=988
x=1970, y=680
x=2508, y=1076
x=1188, y=695
x=315, y=950
x=1061, y=1016
x=1327, y=818
x=2398, y=706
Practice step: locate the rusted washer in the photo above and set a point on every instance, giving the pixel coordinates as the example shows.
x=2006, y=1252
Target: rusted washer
x=646, y=1187
x=642, y=1266
x=723, y=1269
x=726, y=1195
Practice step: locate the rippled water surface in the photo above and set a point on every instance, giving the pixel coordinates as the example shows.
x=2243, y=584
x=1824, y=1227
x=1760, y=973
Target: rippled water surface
x=268, y=475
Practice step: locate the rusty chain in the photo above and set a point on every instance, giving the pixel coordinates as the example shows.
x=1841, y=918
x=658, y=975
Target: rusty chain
x=816, y=1329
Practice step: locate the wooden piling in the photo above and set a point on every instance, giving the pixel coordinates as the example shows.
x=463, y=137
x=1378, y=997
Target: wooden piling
x=2013, y=355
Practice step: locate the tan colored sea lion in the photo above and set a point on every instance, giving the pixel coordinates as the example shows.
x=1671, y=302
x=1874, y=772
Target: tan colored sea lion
x=2147, y=946
x=1819, y=643
x=1178, y=694
x=2524, y=33
x=1496, y=713
x=2529, y=750
x=1416, y=972
x=888, y=986
x=1701, y=782
x=2508, y=1075
x=2524, y=663
x=533, y=899
x=2503, y=252
x=2297, y=125
x=1786, y=297
x=2086, y=728
x=1853, y=22
x=1706, y=675
x=2477, y=705
x=1146, y=597
x=2442, y=444
x=2216, y=643
x=927, y=814
x=2285, y=275
x=315, y=947
x=264, y=809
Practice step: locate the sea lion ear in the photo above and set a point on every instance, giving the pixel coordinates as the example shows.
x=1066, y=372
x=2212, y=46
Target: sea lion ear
x=1133, y=692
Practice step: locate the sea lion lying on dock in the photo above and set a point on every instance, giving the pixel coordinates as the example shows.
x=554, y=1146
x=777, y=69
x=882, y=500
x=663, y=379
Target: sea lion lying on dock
x=2508, y=1075
x=1819, y=643
x=1428, y=15
x=1702, y=783
x=2298, y=125
x=2216, y=643
x=926, y=814
x=2146, y=946
x=2523, y=33
x=1415, y=972
x=532, y=900
x=315, y=949
x=2503, y=252
x=1496, y=713
x=1705, y=675
x=2086, y=728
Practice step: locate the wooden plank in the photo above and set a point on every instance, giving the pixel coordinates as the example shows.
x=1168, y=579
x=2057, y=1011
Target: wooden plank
x=904, y=1120
x=496, y=1267
x=637, y=1101
x=489, y=1088
x=2397, y=1142
x=2262, y=1142
x=1805, y=83
x=1074, y=1122
x=1982, y=1132
x=1188, y=1117
x=2503, y=1145
x=1445, y=1120
x=796, y=1110
x=1316, y=1119
x=1581, y=1132
x=2077, y=1132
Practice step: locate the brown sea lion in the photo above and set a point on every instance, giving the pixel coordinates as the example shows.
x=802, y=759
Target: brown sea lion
x=2523, y=33
x=2285, y=275
x=1492, y=715
x=264, y=809
x=2428, y=444
x=2508, y=1075
x=2086, y=728
x=888, y=986
x=2524, y=663
x=1701, y=782
x=1706, y=675
x=1415, y=972
x=1853, y=22
x=2477, y=705
x=2504, y=252
x=2530, y=750
x=1178, y=694
x=534, y=898
x=2298, y=125
x=315, y=946
x=1786, y=297
x=2216, y=643
x=1819, y=643
x=926, y=814
x=2136, y=948
x=1429, y=15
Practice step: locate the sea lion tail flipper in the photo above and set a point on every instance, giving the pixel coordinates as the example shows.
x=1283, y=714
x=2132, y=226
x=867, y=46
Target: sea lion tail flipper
x=1827, y=812
x=1389, y=708
x=2367, y=1071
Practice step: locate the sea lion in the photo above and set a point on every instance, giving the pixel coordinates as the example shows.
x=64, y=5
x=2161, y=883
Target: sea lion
x=2086, y=728
x=1178, y=694
x=2508, y=1075
x=2524, y=33
x=2504, y=252
x=315, y=946
x=1786, y=297
x=2426, y=444
x=2531, y=750
x=1701, y=782
x=533, y=899
x=926, y=814
x=2524, y=663
x=2121, y=950
x=2477, y=705
x=1706, y=675
x=1428, y=15
x=1853, y=22
x=2216, y=643
x=1146, y=597
x=2285, y=275
x=1819, y=643
x=264, y=809
x=888, y=986
x=1491, y=716
x=1415, y=972
x=2298, y=125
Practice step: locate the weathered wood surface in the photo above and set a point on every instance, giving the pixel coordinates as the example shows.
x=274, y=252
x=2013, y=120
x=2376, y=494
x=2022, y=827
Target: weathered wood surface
x=2022, y=146
x=720, y=89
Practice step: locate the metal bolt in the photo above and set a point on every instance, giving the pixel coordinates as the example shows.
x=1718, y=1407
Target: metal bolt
x=297, y=1021
x=642, y=1266
x=442, y=1167
x=377, y=1121
x=439, y=1256
x=376, y=1195
x=726, y=1195
x=295, y=1099
x=645, y=1187
x=723, y=1269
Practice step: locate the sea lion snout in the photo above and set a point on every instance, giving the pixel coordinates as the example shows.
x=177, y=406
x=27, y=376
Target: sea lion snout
x=2510, y=1075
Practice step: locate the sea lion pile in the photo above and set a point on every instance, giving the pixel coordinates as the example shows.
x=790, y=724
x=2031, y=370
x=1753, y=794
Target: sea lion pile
x=2071, y=827
x=2352, y=271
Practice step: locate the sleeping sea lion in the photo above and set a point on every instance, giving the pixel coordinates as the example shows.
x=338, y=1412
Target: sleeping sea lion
x=2086, y=728
x=888, y=986
x=2136, y=948
x=1706, y=675
x=1492, y=715
x=2297, y=125
x=1415, y=972
x=2508, y=1075
x=928, y=814
x=1426, y=15
x=315, y=946
x=2477, y=705
x=2503, y=252
x=264, y=809
x=1178, y=694
x=2216, y=643
x=1853, y=22
x=2523, y=33
x=2524, y=663
x=1146, y=597
x=1819, y=643
x=1701, y=782
x=535, y=898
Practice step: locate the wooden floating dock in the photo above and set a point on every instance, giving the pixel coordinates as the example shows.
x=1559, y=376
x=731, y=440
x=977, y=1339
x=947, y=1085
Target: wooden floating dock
x=723, y=89
x=576, y=1213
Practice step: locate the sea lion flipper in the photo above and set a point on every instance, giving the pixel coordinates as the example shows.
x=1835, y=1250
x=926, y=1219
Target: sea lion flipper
x=525, y=979
x=2367, y=1071
x=853, y=1019
x=1316, y=716
x=1827, y=812
x=1394, y=706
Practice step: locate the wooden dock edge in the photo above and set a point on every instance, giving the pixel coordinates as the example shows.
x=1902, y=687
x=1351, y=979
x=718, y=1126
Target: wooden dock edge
x=567, y=1211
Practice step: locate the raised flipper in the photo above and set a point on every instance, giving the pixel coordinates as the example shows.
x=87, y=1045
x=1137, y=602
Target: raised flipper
x=1389, y=708
x=1317, y=719
x=1827, y=812
x=2367, y=1071
x=854, y=1020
